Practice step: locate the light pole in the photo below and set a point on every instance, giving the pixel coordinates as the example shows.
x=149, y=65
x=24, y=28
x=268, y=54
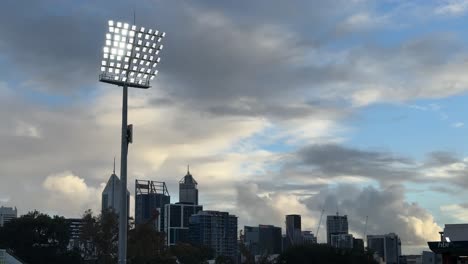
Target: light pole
x=129, y=60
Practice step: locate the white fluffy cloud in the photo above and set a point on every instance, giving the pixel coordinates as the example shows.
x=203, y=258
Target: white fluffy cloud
x=69, y=194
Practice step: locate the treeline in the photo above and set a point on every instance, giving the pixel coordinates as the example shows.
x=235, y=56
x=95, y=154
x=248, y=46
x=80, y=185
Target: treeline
x=38, y=238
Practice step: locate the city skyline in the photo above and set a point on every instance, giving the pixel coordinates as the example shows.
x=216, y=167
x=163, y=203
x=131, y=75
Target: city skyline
x=285, y=108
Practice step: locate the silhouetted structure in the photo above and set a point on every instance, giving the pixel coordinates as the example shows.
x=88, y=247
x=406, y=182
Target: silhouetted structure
x=308, y=237
x=6, y=214
x=293, y=230
x=358, y=244
x=453, y=244
x=336, y=225
x=110, y=198
x=263, y=240
x=176, y=221
x=388, y=247
x=75, y=228
x=188, y=192
x=150, y=199
x=342, y=241
x=217, y=230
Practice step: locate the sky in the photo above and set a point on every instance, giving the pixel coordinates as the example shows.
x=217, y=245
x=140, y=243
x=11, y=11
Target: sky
x=279, y=107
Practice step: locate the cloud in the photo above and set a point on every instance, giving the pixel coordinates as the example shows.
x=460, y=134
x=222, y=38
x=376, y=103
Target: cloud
x=333, y=160
x=386, y=209
x=67, y=188
x=459, y=211
x=27, y=130
x=362, y=21
x=255, y=207
x=458, y=124
x=452, y=8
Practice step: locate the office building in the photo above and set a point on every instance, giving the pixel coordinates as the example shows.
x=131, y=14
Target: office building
x=358, y=244
x=177, y=218
x=217, y=230
x=151, y=198
x=308, y=237
x=110, y=199
x=342, y=241
x=188, y=191
x=293, y=230
x=6, y=214
x=387, y=247
x=429, y=257
x=336, y=225
x=75, y=226
x=263, y=239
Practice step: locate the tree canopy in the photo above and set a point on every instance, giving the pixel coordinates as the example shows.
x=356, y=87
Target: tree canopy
x=38, y=238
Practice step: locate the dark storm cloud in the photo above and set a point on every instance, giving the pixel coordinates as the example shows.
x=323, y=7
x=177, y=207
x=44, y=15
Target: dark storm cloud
x=333, y=160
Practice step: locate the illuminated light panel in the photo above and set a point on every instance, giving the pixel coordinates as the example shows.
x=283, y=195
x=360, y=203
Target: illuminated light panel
x=128, y=52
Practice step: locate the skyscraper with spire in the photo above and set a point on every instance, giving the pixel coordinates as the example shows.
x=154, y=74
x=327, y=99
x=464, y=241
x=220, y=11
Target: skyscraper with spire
x=111, y=194
x=188, y=191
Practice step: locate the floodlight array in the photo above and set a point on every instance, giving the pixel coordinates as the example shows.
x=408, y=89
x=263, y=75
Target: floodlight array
x=131, y=55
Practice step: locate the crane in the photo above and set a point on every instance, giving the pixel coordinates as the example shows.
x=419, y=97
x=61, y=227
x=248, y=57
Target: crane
x=320, y=221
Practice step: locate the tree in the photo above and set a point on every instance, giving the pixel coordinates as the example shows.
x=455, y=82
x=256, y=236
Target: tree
x=39, y=238
x=189, y=254
x=322, y=254
x=223, y=260
x=249, y=258
x=99, y=237
x=146, y=245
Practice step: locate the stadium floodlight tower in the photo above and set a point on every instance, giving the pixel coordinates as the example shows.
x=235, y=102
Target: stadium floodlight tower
x=131, y=55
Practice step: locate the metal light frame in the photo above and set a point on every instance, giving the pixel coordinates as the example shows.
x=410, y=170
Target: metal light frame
x=130, y=55
x=129, y=60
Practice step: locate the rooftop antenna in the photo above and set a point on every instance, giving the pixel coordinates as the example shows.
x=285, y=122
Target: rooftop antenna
x=114, y=166
x=188, y=169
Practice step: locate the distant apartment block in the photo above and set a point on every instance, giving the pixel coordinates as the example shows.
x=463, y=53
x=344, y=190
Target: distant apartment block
x=336, y=225
x=342, y=241
x=308, y=237
x=217, y=230
x=387, y=247
x=263, y=239
x=6, y=214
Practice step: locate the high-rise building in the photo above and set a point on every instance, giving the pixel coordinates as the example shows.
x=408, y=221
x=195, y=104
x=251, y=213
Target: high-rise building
x=293, y=230
x=336, y=225
x=217, y=230
x=6, y=214
x=177, y=221
x=188, y=192
x=263, y=239
x=388, y=247
x=110, y=198
x=150, y=200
